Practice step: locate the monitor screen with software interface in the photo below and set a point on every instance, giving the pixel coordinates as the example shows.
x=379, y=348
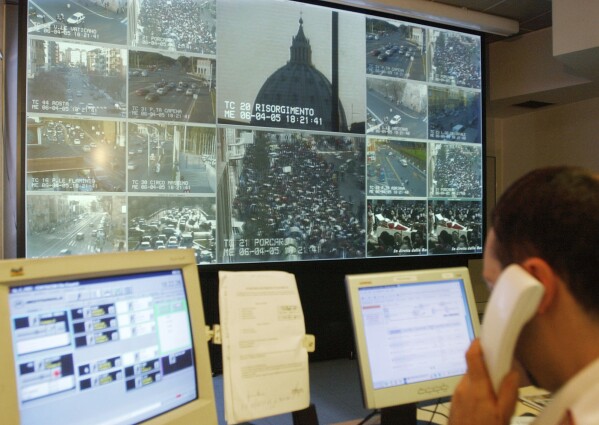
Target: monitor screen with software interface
x=412, y=329
x=108, y=339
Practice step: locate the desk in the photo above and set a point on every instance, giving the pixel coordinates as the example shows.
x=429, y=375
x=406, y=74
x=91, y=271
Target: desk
x=443, y=409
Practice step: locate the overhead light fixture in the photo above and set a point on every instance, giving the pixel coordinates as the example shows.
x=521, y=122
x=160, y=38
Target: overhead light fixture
x=429, y=10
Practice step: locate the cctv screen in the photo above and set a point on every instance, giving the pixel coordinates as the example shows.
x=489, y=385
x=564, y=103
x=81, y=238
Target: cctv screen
x=112, y=350
x=259, y=131
x=415, y=332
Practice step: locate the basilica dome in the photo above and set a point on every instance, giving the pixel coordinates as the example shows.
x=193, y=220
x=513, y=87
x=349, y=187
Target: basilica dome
x=300, y=93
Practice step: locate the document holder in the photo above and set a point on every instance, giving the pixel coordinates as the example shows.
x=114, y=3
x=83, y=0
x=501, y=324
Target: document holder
x=264, y=347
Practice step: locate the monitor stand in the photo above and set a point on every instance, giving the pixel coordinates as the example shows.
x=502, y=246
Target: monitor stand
x=404, y=414
x=306, y=416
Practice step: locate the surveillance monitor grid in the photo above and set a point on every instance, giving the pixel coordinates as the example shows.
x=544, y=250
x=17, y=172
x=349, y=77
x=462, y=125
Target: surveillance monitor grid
x=263, y=131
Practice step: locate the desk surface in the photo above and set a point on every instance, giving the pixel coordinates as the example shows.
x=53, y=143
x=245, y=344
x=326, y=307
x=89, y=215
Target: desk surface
x=440, y=418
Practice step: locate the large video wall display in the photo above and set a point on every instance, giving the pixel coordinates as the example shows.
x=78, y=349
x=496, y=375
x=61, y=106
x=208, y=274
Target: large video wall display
x=249, y=131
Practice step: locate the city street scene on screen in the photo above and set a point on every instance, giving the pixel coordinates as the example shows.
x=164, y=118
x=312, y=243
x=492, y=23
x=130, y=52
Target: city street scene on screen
x=263, y=131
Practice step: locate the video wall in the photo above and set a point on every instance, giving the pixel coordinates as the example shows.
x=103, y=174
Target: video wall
x=250, y=131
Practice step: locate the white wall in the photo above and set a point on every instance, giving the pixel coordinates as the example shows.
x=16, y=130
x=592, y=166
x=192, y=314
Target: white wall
x=525, y=68
x=558, y=135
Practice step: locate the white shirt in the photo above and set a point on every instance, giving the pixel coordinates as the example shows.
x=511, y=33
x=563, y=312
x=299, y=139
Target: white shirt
x=579, y=397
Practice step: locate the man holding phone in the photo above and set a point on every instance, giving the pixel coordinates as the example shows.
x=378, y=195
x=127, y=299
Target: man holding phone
x=548, y=223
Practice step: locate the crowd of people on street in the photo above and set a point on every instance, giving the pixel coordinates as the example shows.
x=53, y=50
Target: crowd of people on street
x=295, y=196
x=455, y=226
x=453, y=60
x=396, y=227
x=457, y=171
x=186, y=24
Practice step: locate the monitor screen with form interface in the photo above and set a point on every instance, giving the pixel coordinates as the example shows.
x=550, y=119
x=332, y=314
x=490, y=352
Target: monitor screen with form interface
x=109, y=339
x=412, y=329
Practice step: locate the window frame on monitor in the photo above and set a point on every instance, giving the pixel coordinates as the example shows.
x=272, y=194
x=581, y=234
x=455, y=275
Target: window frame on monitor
x=25, y=272
x=406, y=394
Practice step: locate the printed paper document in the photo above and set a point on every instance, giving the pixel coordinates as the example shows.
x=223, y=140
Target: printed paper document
x=265, y=362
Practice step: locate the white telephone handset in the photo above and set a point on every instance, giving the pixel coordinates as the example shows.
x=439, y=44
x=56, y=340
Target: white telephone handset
x=513, y=302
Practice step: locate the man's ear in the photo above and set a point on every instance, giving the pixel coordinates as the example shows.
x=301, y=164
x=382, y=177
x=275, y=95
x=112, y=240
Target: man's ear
x=543, y=272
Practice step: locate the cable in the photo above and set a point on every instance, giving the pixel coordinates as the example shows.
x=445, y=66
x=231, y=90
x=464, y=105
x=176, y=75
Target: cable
x=434, y=412
x=370, y=415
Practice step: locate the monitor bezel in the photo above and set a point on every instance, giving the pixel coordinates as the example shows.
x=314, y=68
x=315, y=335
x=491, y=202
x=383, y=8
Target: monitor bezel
x=24, y=272
x=408, y=393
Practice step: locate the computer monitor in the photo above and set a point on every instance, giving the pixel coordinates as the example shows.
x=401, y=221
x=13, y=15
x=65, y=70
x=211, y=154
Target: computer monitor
x=412, y=329
x=104, y=339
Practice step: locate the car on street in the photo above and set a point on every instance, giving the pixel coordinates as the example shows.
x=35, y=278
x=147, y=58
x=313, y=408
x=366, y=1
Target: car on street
x=173, y=242
x=203, y=256
x=186, y=240
x=152, y=97
x=86, y=148
x=142, y=92
x=395, y=120
x=76, y=19
x=64, y=252
x=131, y=166
x=79, y=236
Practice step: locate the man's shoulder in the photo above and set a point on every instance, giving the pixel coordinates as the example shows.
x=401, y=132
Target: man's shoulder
x=585, y=410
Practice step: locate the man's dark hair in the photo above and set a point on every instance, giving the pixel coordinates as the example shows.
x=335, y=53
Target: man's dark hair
x=553, y=213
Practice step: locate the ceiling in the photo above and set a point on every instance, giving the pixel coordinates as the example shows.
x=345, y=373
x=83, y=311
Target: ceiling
x=532, y=15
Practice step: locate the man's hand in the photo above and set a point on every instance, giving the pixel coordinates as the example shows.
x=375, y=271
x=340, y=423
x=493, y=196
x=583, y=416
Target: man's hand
x=474, y=402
